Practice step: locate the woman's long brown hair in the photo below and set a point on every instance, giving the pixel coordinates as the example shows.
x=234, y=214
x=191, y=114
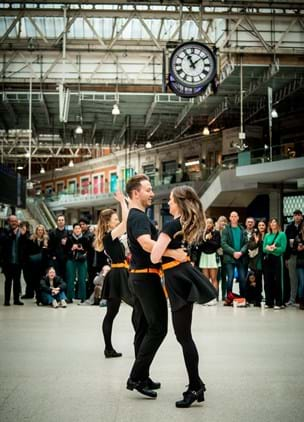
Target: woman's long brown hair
x=102, y=228
x=193, y=218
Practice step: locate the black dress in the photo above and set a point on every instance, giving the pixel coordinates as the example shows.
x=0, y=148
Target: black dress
x=184, y=283
x=116, y=282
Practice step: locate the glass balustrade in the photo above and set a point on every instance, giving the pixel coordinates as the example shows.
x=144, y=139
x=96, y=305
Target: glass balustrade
x=204, y=177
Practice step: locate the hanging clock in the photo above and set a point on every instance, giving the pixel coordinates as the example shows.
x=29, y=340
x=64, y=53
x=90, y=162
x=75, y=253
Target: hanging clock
x=193, y=64
x=184, y=91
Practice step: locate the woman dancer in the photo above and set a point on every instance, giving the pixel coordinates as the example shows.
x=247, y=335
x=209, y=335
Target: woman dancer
x=115, y=287
x=185, y=284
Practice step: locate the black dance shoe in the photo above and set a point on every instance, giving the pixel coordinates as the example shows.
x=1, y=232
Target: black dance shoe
x=18, y=303
x=141, y=387
x=152, y=385
x=112, y=354
x=191, y=396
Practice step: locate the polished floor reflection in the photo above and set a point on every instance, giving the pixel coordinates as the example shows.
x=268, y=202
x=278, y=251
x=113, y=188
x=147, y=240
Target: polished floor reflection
x=52, y=366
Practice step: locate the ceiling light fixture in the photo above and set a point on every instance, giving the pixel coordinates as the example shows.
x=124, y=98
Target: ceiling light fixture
x=115, y=110
x=274, y=113
x=148, y=145
x=71, y=163
x=191, y=163
x=42, y=170
x=79, y=130
x=206, y=131
x=20, y=168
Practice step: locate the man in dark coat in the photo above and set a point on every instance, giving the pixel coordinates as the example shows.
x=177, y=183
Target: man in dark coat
x=11, y=246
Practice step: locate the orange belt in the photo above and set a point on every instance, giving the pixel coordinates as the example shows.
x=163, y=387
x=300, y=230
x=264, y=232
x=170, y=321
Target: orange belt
x=172, y=264
x=120, y=265
x=147, y=270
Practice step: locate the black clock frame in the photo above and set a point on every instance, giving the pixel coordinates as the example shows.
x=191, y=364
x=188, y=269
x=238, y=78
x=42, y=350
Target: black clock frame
x=184, y=91
x=203, y=82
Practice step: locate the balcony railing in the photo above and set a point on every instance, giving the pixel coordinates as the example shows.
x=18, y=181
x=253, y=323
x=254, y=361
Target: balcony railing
x=200, y=181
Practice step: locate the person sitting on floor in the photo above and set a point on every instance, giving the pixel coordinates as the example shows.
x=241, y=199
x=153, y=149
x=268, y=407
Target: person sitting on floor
x=252, y=290
x=52, y=289
x=95, y=298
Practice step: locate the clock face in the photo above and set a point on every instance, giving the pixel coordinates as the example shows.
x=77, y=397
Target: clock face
x=193, y=64
x=184, y=91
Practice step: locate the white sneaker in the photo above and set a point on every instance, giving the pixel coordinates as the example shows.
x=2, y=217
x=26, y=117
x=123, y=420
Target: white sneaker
x=276, y=308
x=63, y=303
x=212, y=302
x=55, y=303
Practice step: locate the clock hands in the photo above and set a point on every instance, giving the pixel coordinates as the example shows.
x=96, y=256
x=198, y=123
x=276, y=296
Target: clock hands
x=192, y=64
x=190, y=60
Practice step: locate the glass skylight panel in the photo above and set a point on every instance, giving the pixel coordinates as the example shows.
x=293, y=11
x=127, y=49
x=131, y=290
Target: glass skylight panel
x=189, y=30
x=3, y=27
x=57, y=24
x=7, y=22
x=77, y=30
x=169, y=27
x=105, y=27
x=135, y=30
x=27, y=29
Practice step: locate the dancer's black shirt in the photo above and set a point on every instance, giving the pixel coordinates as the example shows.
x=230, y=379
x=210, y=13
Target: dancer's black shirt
x=176, y=242
x=114, y=248
x=138, y=224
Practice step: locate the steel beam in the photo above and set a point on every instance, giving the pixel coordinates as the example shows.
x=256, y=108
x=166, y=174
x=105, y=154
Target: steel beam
x=144, y=14
x=280, y=4
x=184, y=113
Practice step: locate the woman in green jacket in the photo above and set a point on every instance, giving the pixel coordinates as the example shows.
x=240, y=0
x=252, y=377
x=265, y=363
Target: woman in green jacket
x=274, y=246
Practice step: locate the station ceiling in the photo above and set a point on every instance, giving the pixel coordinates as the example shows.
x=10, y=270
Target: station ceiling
x=148, y=109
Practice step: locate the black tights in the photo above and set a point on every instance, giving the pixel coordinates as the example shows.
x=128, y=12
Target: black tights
x=182, y=320
x=112, y=310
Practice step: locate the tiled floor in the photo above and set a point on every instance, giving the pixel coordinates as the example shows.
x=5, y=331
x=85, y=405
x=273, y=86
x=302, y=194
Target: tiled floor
x=52, y=366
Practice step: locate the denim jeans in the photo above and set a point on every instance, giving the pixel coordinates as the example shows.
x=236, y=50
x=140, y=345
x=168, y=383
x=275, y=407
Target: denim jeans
x=242, y=274
x=47, y=298
x=300, y=273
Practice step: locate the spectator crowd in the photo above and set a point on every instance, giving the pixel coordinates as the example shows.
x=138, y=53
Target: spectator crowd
x=259, y=262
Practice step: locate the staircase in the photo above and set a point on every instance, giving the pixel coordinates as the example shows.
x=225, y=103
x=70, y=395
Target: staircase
x=26, y=215
x=40, y=212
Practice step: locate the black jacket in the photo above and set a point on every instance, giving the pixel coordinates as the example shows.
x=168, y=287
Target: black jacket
x=211, y=245
x=292, y=232
x=6, y=242
x=55, y=246
x=57, y=282
x=82, y=242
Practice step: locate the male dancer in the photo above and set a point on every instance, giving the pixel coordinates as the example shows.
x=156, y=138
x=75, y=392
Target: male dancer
x=150, y=308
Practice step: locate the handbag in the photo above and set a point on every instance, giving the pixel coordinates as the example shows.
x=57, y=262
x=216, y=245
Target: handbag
x=36, y=258
x=80, y=256
x=266, y=256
